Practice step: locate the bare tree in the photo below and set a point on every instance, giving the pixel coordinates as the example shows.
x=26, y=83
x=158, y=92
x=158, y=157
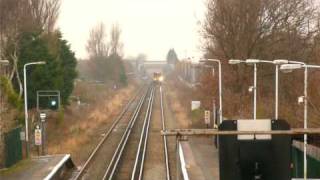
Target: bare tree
x=263, y=29
x=18, y=16
x=115, y=44
x=45, y=13
x=28, y=15
x=246, y=29
x=97, y=44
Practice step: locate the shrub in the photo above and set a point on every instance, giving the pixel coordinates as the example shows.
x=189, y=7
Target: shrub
x=8, y=90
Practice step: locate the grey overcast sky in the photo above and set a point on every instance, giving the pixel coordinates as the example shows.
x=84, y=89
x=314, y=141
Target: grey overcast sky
x=151, y=27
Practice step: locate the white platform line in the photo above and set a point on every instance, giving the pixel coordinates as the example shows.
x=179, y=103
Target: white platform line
x=57, y=167
x=183, y=164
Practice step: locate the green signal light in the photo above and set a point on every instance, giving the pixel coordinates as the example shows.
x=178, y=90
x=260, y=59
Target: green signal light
x=53, y=103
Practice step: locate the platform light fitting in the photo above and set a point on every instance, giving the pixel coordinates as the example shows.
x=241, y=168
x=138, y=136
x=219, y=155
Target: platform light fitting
x=235, y=61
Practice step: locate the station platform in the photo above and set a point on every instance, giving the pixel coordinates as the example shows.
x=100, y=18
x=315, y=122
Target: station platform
x=42, y=167
x=201, y=158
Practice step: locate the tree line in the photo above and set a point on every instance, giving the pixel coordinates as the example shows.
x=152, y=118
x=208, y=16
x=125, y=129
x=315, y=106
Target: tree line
x=28, y=33
x=268, y=30
x=105, y=50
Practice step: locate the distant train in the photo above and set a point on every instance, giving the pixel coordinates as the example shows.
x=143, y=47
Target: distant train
x=157, y=77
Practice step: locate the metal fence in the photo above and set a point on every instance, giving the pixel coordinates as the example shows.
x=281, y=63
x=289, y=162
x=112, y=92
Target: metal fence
x=313, y=162
x=13, y=147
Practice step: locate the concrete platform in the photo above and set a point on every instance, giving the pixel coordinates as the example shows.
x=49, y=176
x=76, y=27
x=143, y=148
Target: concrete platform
x=39, y=168
x=201, y=158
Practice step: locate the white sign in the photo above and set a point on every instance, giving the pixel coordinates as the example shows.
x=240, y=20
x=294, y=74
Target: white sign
x=37, y=137
x=195, y=105
x=207, y=117
x=254, y=125
x=43, y=115
x=22, y=136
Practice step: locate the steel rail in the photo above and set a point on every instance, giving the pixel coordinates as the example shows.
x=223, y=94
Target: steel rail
x=142, y=136
x=146, y=138
x=124, y=139
x=115, y=122
x=164, y=137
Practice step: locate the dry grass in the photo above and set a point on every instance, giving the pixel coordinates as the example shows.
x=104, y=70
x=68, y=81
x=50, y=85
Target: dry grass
x=179, y=112
x=82, y=126
x=180, y=98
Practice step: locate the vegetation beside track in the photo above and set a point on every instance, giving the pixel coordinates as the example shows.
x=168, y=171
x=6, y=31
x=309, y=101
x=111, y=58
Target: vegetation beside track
x=84, y=125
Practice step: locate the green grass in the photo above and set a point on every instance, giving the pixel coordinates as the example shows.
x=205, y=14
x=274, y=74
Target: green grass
x=197, y=116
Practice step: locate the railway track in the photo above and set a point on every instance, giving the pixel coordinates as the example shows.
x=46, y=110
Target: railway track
x=94, y=167
x=169, y=122
x=157, y=159
x=166, y=153
x=122, y=164
x=138, y=168
x=124, y=151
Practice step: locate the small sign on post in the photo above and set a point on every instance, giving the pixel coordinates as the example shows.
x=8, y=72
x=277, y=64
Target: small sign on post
x=43, y=117
x=207, y=117
x=22, y=136
x=37, y=136
x=195, y=105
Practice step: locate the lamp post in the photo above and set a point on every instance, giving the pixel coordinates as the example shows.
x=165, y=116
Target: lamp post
x=276, y=108
x=289, y=68
x=220, y=86
x=4, y=62
x=26, y=101
x=277, y=63
x=254, y=63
